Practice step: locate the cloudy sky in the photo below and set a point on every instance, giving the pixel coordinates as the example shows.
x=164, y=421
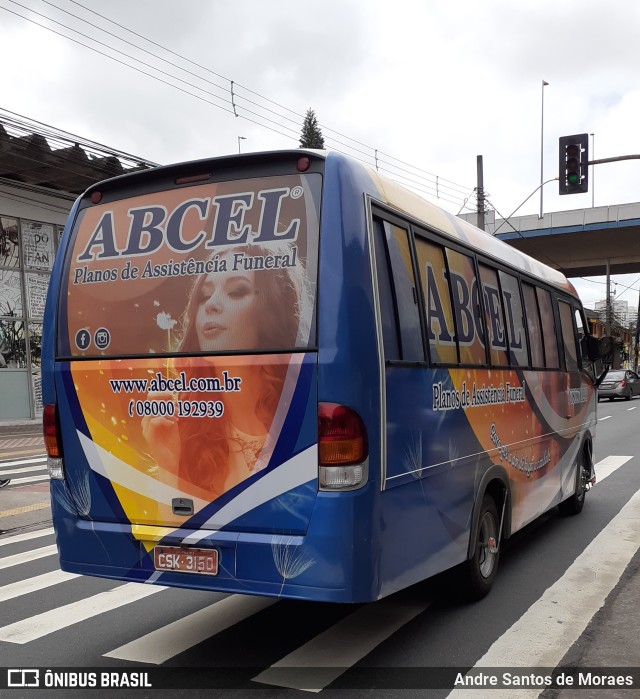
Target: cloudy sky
x=427, y=85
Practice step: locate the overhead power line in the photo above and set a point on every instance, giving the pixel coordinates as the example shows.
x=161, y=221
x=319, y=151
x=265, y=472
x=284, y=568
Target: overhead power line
x=229, y=97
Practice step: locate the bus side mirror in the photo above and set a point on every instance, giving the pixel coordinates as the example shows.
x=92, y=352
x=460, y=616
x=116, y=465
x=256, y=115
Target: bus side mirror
x=594, y=348
x=603, y=349
x=606, y=348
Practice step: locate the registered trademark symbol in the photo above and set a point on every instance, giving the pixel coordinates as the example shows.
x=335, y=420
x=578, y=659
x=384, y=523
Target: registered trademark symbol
x=297, y=192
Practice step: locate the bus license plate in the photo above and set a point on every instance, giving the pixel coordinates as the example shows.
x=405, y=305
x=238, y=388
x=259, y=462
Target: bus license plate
x=181, y=560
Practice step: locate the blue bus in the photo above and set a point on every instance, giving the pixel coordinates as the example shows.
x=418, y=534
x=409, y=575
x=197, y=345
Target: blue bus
x=282, y=374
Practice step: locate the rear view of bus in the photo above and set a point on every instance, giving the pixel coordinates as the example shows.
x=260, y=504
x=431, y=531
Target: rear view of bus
x=181, y=369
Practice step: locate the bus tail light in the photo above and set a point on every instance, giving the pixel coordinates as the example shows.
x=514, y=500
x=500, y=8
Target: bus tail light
x=52, y=441
x=342, y=447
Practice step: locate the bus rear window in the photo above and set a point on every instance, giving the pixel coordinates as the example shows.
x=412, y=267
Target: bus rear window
x=217, y=267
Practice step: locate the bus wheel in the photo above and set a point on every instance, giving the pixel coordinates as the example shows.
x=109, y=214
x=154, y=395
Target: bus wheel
x=478, y=573
x=574, y=504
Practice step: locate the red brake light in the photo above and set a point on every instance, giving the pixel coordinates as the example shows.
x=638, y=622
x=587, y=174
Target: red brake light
x=50, y=430
x=304, y=163
x=342, y=437
x=623, y=383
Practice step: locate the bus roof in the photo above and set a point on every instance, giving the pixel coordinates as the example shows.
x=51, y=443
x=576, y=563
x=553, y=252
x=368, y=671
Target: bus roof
x=399, y=197
x=391, y=193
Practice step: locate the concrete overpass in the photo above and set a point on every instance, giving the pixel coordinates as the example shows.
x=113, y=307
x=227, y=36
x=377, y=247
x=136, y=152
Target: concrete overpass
x=578, y=242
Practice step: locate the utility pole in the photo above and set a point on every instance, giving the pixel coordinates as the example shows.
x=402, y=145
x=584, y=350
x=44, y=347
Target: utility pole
x=635, y=362
x=480, y=193
x=608, y=309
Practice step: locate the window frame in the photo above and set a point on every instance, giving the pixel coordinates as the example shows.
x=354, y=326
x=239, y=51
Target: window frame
x=420, y=230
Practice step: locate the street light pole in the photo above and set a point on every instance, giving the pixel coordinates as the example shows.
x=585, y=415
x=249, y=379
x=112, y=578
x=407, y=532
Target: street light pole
x=241, y=138
x=544, y=83
x=593, y=168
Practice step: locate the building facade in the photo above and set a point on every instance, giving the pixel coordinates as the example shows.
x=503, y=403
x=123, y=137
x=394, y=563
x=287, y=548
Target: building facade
x=31, y=224
x=42, y=171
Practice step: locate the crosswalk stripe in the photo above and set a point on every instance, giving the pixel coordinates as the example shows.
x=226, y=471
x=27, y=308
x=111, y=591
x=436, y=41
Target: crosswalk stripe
x=56, y=619
x=175, y=638
x=25, y=469
x=21, y=462
x=546, y=631
x=26, y=556
x=39, y=582
x=29, y=479
x=608, y=465
x=26, y=536
x=331, y=653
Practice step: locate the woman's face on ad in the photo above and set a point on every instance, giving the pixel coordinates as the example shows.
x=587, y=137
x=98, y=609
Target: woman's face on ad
x=227, y=316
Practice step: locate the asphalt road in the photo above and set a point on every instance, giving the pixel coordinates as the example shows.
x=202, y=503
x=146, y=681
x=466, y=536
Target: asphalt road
x=566, y=597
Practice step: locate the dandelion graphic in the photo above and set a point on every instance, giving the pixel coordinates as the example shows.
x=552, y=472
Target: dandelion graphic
x=166, y=322
x=412, y=461
x=74, y=495
x=289, y=559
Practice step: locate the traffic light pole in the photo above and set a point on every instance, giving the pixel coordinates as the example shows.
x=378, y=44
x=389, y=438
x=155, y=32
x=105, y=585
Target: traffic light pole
x=506, y=220
x=480, y=193
x=613, y=160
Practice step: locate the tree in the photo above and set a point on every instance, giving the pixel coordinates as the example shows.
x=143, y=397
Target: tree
x=311, y=135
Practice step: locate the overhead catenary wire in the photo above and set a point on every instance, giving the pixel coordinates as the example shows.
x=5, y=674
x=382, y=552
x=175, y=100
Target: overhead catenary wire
x=262, y=97
x=439, y=185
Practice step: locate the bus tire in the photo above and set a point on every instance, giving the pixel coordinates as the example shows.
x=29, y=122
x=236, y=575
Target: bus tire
x=573, y=505
x=476, y=575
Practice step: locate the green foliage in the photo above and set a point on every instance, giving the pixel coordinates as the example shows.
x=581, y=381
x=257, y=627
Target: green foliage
x=311, y=135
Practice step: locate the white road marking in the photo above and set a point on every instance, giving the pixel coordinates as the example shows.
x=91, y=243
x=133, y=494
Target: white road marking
x=634, y=407
x=27, y=469
x=606, y=417
x=17, y=538
x=26, y=556
x=608, y=465
x=22, y=462
x=175, y=638
x=30, y=479
x=39, y=582
x=331, y=653
x=546, y=631
x=43, y=624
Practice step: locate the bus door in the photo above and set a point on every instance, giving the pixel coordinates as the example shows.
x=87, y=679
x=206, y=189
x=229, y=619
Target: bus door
x=579, y=393
x=423, y=441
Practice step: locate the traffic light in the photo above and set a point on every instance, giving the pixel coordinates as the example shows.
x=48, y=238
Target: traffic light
x=573, y=168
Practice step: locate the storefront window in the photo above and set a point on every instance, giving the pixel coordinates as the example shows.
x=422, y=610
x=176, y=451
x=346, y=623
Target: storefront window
x=9, y=252
x=37, y=285
x=38, y=244
x=27, y=250
x=13, y=346
x=10, y=294
x=35, y=347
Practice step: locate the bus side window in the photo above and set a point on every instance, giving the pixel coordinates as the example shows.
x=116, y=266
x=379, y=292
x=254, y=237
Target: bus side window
x=569, y=339
x=437, y=301
x=518, y=355
x=552, y=360
x=533, y=326
x=494, y=315
x=466, y=307
x=385, y=294
x=401, y=319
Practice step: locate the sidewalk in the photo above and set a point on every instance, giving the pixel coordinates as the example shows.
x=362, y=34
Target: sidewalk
x=21, y=438
x=28, y=506
x=611, y=641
